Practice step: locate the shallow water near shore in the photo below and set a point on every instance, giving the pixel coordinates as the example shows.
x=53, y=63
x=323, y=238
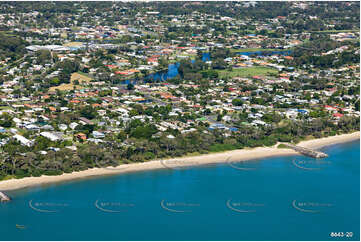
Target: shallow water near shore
x=280, y=198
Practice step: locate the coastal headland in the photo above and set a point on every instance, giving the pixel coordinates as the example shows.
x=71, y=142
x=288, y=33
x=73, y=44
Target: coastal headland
x=213, y=158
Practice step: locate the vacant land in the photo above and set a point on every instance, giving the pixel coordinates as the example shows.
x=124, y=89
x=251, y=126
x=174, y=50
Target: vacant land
x=81, y=77
x=73, y=44
x=248, y=72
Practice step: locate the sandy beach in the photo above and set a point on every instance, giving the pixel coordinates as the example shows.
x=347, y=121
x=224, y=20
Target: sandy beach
x=178, y=163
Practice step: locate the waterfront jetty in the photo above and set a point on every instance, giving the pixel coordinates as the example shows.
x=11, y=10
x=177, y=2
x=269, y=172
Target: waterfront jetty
x=307, y=151
x=4, y=197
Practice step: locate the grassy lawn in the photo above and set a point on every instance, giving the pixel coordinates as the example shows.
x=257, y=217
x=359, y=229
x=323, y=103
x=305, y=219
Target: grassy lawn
x=247, y=72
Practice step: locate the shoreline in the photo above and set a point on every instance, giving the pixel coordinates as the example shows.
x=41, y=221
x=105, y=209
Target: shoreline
x=178, y=163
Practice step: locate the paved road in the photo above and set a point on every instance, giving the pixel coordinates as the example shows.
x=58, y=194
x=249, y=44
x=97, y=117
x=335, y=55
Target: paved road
x=8, y=66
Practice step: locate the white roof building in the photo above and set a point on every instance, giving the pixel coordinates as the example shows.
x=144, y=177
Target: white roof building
x=98, y=135
x=73, y=125
x=23, y=140
x=51, y=136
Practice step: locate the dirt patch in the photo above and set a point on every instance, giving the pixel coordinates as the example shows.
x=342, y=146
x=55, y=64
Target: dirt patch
x=80, y=77
x=83, y=79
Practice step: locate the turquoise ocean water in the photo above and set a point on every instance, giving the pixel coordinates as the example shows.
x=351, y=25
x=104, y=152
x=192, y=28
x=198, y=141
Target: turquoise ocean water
x=283, y=198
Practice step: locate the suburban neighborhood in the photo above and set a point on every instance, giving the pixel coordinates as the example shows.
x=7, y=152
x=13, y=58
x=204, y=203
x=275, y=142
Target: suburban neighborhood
x=120, y=85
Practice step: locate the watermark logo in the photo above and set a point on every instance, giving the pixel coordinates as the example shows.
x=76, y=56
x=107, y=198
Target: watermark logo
x=19, y=226
x=109, y=163
x=243, y=207
x=47, y=165
x=113, y=206
x=311, y=165
x=357, y=101
x=52, y=161
x=47, y=207
x=243, y=165
x=179, y=207
x=310, y=207
x=106, y=165
x=175, y=164
x=3, y=164
x=162, y=77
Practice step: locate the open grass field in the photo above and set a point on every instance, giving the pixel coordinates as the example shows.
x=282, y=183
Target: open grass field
x=81, y=77
x=248, y=72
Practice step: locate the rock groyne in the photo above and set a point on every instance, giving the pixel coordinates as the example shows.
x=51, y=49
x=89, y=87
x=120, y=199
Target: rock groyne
x=307, y=151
